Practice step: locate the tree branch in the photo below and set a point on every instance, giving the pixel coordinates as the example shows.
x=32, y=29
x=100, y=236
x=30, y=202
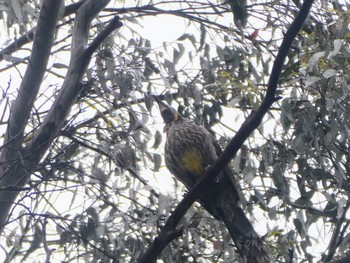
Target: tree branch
x=252, y=122
x=70, y=90
x=11, y=155
x=112, y=25
x=337, y=236
x=28, y=158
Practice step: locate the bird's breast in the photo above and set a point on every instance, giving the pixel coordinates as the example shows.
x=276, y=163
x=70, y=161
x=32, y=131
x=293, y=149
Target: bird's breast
x=192, y=161
x=188, y=149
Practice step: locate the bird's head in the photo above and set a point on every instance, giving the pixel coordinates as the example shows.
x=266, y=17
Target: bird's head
x=169, y=114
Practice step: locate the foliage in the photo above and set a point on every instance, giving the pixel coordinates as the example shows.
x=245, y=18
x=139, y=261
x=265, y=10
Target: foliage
x=100, y=191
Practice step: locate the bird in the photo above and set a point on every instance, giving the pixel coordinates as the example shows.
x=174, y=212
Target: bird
x=189, y=150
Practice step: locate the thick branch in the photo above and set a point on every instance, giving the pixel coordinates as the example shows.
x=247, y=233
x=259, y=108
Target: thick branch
x=112, y=25
x=247, y=128
x=54, y=121
x=85, y=15
x=34, y=73
x=70, y=90
x=11, y=158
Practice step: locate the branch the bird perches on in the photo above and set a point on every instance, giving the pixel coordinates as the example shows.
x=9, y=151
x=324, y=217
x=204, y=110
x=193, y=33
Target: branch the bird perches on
x=170, y=230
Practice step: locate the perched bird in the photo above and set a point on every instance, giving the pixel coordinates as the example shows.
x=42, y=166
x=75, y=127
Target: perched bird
x=189, y=149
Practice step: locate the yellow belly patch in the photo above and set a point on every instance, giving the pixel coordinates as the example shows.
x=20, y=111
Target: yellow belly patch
x=192, y=162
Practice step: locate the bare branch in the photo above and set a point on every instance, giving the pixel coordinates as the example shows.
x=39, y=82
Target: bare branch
x=17, y=168
x=11, y=156
x=112, y=25
x=85, y=15
x=71, y=86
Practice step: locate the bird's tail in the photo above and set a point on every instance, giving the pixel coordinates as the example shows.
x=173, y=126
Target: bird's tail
x=223, y=202
x=249, y=245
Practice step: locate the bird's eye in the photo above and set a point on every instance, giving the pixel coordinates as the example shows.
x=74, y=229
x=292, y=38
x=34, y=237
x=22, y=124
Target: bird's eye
x=167, y=115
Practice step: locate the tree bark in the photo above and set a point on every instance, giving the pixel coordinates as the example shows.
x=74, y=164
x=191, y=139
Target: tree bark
x=18, y=162
x=13, y=171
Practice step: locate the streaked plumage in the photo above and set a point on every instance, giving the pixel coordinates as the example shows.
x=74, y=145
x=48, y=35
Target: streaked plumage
x=189, y=149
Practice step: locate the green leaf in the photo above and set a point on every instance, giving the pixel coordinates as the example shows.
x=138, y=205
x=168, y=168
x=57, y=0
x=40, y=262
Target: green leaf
x=188, y=36
x=157, y=139
x=178, y=53
x=157, y=159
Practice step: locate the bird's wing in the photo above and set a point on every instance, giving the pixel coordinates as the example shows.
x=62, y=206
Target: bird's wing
x=227, y=208
x=228, y=172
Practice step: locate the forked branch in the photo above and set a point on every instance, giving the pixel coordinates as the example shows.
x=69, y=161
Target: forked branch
x=17, y=162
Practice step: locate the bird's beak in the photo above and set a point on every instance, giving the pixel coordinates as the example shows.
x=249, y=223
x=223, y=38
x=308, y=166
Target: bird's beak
x=161, y=104
x=168, y=114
